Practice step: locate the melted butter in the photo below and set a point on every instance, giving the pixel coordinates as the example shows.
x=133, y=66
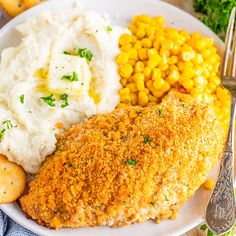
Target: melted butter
x=94, y=95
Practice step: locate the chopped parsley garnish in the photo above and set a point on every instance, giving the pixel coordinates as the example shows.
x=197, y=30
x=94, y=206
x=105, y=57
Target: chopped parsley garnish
x=153, y=204
x=85, y=53
x=147, y=139
x=2, y=134
x=50, y=100
x=132, y=162
x=8, y=124
x=66, y=52
x=203, y=227
x=73, y=77
x=22, y=98
x=70, y=165
x=64, y=98
x=160, y=112
x=30, y=112
x=96, y=31
x=58, y=149
x=183, y=104
x=109, y=28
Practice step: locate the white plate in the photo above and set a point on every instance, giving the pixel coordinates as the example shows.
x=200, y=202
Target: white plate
x=121, y=12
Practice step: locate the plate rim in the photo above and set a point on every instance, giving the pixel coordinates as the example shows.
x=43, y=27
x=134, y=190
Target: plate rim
x=39, y=8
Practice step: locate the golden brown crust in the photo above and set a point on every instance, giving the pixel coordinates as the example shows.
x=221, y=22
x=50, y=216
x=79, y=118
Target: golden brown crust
x=128, y=166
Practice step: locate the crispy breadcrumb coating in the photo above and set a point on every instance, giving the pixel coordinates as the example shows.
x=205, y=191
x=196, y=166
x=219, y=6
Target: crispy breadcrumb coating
x=128, y=166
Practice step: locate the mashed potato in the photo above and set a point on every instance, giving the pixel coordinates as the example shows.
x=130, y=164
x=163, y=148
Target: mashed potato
x=62, y=72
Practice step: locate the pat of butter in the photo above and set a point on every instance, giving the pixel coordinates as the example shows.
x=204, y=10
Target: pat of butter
x=65, y=65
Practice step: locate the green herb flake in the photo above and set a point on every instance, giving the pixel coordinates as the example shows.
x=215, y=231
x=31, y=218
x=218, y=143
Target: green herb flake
x=160, y=112
x=166, y=199
x=153, y=204
x=64, y=98
x=147, y=139
x=75, y=76
x=66, y=52
x=132, y=162
x=85, y=53
x=22, y=98
x=8, y=124
x=2, y=134
x=58, y=149
x=109, y=28
x=50, y=100
x=70, y=165
x=183, y=104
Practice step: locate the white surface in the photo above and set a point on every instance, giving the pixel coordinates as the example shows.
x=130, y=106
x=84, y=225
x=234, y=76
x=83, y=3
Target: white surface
x=192, y=213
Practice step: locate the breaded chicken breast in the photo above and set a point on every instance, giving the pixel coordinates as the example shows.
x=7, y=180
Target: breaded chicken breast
x=128, y=166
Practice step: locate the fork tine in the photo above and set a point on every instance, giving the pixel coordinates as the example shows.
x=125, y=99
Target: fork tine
x=228, y=43
x=233, y=63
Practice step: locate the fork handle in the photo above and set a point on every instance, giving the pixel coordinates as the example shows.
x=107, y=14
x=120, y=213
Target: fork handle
x=220, y=213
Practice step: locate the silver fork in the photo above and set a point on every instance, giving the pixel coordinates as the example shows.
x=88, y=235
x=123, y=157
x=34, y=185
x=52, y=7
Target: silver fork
x=220, y=213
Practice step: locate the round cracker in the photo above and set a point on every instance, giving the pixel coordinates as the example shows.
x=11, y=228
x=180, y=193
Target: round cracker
x=12, y=181
x=13, y=7
x=31, y=3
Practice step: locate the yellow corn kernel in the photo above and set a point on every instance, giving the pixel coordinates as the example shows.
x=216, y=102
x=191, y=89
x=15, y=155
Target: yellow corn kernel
x=140, y=33
x=134, y=99
x=132, y=87
x=154, y=61
x=142, y=99
x=167, y=44
x=142, y=53
x=147, y=72
x=140, y=85
x=222, y=93
x=138, y=76
x=145, y=18
x=122, y=105
x=139, y=66
x=149, y=85
x=181, y=66
x=160, y=21
x=188, y=72
x=133, y=54
x=163, y=67
x=209, y=184
x=152, y=52
x=215, y=79
x=125, y=39
x=196, y=36
x=124, y=91
x=173, y=60
x=198, y=59
x=123, y=81
x=157, y=93
x=126, y=47
x=122, y=59
x=210, y=42
x=156, y=45
x=132, y=62
x=187, y=83
x=165, y=87
x=147, y=91
x=199, y=80
x=172, y=33
x=146, y=43
x=133, y=29
x=150, y=32
x=173, y=77
x=152, y=98
x=206, y=53
x=158, y=83
x=156, y=74
x=187, y=54
x=211, y=86
x=126, y=70
x=138, y=44
x=185, y=34
x=200, y=44
x=126, y=98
